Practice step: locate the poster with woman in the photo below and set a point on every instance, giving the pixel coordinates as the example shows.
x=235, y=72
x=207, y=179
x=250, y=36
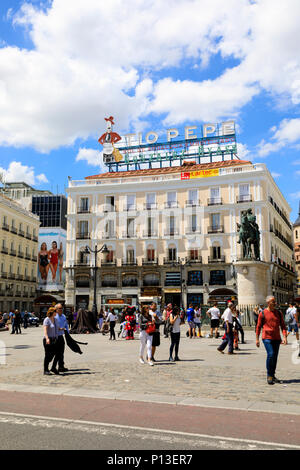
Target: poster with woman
x=51, y=257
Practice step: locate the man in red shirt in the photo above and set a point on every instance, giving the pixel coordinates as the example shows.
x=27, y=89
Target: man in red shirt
x=271, y=321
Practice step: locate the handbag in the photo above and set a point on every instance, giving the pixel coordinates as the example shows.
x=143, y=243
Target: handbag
x=150, y=328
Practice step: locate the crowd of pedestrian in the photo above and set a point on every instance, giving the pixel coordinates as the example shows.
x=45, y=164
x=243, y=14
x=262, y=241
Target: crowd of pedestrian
x=146, y=322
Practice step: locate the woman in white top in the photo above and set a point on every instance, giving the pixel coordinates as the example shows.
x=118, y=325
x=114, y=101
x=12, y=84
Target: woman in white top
x=50, y=340
x=227, y=317
x=112, y=318
x=197, y=321
x=175, y=321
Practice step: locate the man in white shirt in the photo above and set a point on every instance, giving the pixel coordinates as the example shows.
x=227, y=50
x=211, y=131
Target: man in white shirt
x=227, y=317
x=292, y=323
x=214, y=315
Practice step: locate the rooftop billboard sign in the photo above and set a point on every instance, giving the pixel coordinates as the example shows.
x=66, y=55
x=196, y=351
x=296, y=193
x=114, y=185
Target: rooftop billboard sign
x=163, y=149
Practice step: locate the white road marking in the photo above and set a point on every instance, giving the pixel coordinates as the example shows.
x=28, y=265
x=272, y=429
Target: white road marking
x=81, y=425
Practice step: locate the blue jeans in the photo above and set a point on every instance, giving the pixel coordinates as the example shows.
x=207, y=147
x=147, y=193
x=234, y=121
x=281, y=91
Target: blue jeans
x=228, y=340
x=272, y=348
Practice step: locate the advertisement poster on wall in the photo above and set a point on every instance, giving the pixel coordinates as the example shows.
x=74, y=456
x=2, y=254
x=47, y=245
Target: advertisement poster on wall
x=51, y=257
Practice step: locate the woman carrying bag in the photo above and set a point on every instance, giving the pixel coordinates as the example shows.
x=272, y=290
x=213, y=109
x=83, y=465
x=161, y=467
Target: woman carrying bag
x=147, y=328
x=50, y=340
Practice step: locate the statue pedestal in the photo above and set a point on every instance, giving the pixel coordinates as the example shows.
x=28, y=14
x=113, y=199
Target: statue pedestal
x=253, y=282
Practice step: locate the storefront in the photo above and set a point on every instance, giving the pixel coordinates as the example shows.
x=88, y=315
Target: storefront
x=42, y=303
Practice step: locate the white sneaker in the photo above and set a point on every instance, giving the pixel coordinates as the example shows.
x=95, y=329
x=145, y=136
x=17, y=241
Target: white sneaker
x=150, y=363
x=142, y=360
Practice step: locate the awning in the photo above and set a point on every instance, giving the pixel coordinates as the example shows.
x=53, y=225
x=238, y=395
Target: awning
x=148, y=299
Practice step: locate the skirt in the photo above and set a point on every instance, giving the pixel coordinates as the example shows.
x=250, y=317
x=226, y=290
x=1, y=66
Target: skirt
x=156, y=338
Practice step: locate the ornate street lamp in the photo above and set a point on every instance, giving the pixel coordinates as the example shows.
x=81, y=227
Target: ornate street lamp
x=89, y=250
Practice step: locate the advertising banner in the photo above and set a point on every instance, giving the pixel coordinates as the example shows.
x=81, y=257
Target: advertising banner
x=187, y=175
x=51, y=257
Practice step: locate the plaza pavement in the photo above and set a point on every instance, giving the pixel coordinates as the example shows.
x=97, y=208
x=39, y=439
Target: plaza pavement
x=111, y=370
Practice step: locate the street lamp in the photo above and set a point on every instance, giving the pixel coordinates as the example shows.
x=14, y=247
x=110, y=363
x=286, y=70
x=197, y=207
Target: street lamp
x=89, y=250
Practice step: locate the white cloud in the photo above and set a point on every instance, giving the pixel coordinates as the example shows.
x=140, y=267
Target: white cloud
x=286, y=135
x=275, y=175
x=91, y=156
x=97, y=59
x=18, y=172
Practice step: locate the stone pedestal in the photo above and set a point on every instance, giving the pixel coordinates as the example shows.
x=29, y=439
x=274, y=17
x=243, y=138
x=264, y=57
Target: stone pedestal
x=253, y=282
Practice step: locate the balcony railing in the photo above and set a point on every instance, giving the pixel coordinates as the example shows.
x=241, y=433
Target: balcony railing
x=5, y=226
x=82, y=262
x=192, y=203
x=20, y=254
x=171, y=205
x=13, y=252
x=83, y=210
x=4, y=250
x=13, y=230
x=188, y=259
x=21, y=233
x=215, y=229
x=129, y=207
x=192, y=230
x=109, y=235
x=107, y=262
x=109, y=208
x=150, y=206
x=82, y=235
x=171, y=261
x=283, y=239
x=34, y=238
x=27, y=256
x=129, y=262
x=171, y=232
x=147, y=261
x=150, y=233
x=212, y=201
x=244, y=198
x=34, y=258
x=221, y=259
x=3, y=275
x=129, y=234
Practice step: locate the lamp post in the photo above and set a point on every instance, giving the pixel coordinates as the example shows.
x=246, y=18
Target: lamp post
x=89, y=250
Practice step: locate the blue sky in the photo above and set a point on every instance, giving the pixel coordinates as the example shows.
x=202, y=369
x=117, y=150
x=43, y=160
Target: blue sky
x=152, y=65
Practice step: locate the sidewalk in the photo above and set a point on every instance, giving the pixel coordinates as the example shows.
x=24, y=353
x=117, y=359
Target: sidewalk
x=110, y=369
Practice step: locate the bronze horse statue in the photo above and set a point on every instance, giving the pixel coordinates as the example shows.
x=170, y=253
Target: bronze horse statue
x=249, y=235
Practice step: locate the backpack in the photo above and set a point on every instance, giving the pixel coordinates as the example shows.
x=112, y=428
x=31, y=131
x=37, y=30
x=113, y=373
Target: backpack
x=289, y=317
x=169, y=326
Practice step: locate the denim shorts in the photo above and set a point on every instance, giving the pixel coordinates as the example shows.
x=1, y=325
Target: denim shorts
x=191, y=324
x=293, y=327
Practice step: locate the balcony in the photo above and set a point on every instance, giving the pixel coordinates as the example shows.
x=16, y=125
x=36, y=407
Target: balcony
x=13, y=230
x=171, y=205
x=2, y=293
x=129, y=234
x=171, y=261
x=150, y=206
x=28, y=236
x=27, y=256
x=192, y=203
x=19, y=277
x=244, y=198
x=4, y=250
x=171, y=232
x=20, y=254
x=82, y=236
x=129, y=207
x=108, y=262
x=193, y=260
x=11, y=276
x=283, y=239
x=82, y=262
x=13, y=252
x=18, y=293
x=109, y=283
x=109, y=235
x=35, y=238
x=34, y=258
x=3, y=275
x=149, y=262
x=221, y=259
x=129, y=262
x=21, y=233
x=5, y=227
x=192, y=231
x=214, y=201
x=215, y=229
x=150, y=233
x=108, y=208
x=83, y=210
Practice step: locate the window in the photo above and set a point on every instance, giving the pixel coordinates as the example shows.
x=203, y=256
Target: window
x=110, y=256
x=216, y=252
x=109, y=280
x=130, y=256
x=130, y=227
x=172, y=254
x=296, y=233
x=193, y=222
x=109, y=203
x=244, y=192
x=150, y=225
x=172, y=224
x=130, y=280
x=150, y=201
x=83, y=228
x=172, y=199
x=215, y=221
x=173, y=279
x=151, y=279
x=84, y=204
x=193, y=197
x=130, y=202
x=195, y=278
x=193, y=254
x=109, y=229
x=150, y=254
x=217, y=278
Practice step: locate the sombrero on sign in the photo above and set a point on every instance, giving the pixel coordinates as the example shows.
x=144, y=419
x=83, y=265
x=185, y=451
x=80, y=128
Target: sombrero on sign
x=111, y=119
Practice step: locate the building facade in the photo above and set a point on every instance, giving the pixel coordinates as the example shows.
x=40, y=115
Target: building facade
x=172, y=234
x=296, y=234
x=19, y=230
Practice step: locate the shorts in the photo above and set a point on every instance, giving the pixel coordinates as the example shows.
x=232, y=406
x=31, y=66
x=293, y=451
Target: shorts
x=191, y=324
x=293, y=327
x=198, y=324
x=215, y=323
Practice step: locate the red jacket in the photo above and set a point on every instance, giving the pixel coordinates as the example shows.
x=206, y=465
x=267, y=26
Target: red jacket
x=271, y=324
x=114, y=138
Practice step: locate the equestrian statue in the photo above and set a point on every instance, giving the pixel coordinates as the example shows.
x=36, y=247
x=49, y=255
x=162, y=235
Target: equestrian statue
x=249, y=235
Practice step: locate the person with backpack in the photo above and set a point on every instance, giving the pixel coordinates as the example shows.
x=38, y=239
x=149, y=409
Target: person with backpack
x=271, y=321
x=291, y=320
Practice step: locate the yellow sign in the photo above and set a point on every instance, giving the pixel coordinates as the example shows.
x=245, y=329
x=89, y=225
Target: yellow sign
x=187, y=175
